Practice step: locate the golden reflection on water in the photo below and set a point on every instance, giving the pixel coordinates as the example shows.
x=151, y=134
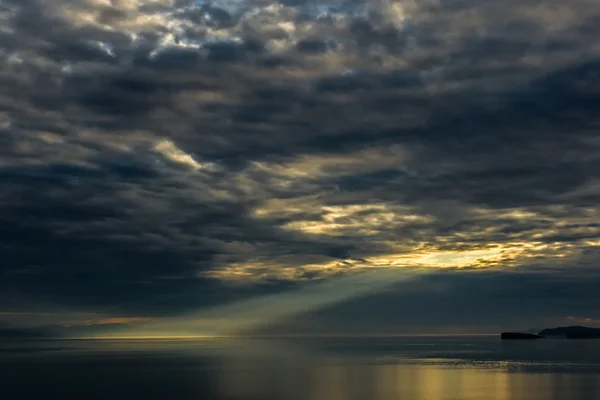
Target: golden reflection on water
x=344, y=379
x=224, y=369
x=264, y=370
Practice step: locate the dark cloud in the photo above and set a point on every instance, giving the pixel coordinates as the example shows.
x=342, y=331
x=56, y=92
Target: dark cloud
x=151, y=154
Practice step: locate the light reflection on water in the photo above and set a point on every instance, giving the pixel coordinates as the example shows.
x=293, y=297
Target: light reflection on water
x=418, y=382
x=303, y=369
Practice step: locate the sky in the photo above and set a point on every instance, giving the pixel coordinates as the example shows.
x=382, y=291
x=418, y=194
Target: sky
x=299, y=166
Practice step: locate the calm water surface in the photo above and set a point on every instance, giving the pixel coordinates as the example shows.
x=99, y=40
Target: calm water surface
x=408, y=368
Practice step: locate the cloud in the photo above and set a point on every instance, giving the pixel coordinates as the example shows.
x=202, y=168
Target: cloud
x=171, y=152
x=158, y=155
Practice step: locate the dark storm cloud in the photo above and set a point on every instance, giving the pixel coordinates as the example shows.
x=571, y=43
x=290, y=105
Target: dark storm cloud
x=152, y=151
x=74, y=233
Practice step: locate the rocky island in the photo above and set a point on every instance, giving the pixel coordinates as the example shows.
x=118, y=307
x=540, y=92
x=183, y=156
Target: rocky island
x=569, y=332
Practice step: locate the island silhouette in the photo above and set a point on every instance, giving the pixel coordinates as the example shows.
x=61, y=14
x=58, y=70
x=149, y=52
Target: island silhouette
x=569, y=332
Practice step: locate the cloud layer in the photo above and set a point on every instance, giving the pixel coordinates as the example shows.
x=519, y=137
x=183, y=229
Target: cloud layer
x=154, y=153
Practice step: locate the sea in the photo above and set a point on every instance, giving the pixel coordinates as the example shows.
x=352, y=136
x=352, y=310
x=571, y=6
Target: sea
x=307, y=368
